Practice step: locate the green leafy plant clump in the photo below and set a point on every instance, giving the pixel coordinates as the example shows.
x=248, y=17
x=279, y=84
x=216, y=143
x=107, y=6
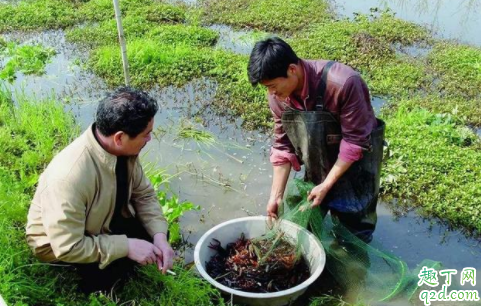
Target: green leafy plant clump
x=28, y=59
x=172, y=207
x=435, y=163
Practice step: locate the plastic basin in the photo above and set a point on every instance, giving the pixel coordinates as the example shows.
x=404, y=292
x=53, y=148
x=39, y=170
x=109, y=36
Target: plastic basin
x=253, y=227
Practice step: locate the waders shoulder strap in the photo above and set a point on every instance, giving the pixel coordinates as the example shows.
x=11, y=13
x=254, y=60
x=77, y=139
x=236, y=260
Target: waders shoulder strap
x=321, y=89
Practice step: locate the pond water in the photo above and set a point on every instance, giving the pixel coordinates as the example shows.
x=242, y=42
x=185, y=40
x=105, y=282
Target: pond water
x=458, y=20
x=230, y=177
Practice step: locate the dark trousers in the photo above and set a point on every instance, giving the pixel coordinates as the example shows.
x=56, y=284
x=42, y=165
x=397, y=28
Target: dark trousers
x=93, y=279
x=361, y=224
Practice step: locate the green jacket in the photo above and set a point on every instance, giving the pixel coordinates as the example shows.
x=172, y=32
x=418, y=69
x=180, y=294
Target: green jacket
x=70, y=213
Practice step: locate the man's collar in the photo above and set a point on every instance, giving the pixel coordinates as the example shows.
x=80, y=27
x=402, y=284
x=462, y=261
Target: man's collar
x=305, y=87
x=100, y=152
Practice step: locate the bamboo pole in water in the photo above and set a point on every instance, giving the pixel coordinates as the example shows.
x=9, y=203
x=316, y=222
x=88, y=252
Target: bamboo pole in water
x=123, y=47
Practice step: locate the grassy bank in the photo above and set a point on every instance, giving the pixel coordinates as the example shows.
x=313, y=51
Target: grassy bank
x=31, y=132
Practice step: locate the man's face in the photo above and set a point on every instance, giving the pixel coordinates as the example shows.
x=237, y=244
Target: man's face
x=133, y=146
x=282, y=87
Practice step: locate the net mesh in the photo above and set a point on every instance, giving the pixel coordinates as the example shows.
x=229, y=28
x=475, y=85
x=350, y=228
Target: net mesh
x=369, y=273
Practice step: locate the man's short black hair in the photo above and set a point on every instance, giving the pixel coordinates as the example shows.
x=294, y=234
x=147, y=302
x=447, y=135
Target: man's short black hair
x=127, y=110
x=270, y=59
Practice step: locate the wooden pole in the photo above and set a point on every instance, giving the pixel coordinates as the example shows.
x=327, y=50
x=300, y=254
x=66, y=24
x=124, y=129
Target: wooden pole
x=2, y=302
x=123, y=48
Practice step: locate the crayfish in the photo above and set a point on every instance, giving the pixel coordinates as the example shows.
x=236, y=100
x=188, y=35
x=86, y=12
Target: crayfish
x=259, y=265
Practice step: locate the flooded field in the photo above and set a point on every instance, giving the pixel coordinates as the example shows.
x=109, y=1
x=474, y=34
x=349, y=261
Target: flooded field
x=230, y=176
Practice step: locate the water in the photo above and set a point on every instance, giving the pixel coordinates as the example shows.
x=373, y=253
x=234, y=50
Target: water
x=377, y=103
x=231, y=178
x=240, y=42
x=458, y=20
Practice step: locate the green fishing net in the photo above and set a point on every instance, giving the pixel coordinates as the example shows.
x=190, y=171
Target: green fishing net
x=370, y=274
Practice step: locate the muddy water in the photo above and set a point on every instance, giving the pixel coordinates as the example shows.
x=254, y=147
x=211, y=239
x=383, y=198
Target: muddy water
x=230, y=178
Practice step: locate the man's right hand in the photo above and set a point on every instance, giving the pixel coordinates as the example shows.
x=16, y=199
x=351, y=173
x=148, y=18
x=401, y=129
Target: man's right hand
x=143, y=251
x=279, y=181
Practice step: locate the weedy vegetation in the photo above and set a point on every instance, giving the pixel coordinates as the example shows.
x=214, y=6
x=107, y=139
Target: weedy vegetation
x=27, y=59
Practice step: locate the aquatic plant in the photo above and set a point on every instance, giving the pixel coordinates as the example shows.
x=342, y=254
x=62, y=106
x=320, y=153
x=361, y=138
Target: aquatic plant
x=266, y=15
x=28, y=59
x=434, y=165
x=172, y=208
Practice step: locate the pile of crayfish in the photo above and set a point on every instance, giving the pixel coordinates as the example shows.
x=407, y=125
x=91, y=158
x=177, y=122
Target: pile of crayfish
x=257, y=265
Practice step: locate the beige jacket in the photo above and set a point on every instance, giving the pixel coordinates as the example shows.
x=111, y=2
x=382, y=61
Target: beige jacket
x=71, y=211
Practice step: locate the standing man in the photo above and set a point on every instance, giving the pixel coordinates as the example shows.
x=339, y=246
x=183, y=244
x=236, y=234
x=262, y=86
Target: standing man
x=94, y=207
x=323, y=119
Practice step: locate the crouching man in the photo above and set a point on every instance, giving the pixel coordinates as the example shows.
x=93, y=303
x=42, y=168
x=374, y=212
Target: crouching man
x=94, y=208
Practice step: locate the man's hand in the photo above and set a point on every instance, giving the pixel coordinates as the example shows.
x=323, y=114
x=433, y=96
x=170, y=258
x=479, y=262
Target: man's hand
x=165, y=260
x=143, y=251
x=273, y=207
x=318, y=194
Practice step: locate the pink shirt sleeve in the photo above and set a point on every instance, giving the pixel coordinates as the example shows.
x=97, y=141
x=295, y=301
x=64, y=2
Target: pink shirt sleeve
x=349, y=152
x=279, y=157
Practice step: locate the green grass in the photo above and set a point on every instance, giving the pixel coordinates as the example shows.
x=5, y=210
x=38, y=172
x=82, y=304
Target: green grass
x=151, y=62
x=468, y=110
x=54, y=14
x=266, y=15
x=435, y=164
x=30, y=134
x=458, y=68
x=154, y=11
x=105, y=33
x=37, y=15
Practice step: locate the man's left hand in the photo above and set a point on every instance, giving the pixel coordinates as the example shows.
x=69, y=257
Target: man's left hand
x=318, y=194
x=165, y=261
